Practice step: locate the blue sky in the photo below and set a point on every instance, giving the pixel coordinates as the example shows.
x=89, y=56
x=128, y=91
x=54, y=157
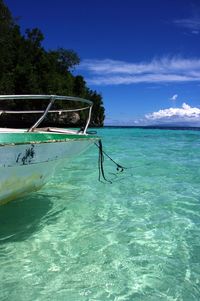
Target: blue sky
x=143, y=56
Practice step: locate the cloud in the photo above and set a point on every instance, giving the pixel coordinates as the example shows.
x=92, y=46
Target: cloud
x=192, y=24
x=174, y=97
x=195, y=31
x=186, y=113
x=164, y=70
x=185, y=116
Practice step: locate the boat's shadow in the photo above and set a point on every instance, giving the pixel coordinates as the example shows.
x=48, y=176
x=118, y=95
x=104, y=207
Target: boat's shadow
x=22, y=218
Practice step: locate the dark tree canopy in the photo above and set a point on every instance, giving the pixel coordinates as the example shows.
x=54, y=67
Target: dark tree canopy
x=27, y=68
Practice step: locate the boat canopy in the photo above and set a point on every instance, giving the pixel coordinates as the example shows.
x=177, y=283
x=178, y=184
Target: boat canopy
x=52, y=99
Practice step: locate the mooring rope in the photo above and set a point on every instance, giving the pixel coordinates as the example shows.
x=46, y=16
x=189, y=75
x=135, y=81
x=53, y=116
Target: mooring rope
x=119, y=167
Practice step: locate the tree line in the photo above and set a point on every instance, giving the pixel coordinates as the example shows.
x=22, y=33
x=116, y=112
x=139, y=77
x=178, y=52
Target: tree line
x=27, y=68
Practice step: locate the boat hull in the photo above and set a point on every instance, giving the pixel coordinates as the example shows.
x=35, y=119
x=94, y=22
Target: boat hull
x=27, y=167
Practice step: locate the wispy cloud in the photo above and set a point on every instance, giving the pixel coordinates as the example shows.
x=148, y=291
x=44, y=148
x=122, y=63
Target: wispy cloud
x=165, y=70
x=192, y=24
x=185, y=113
x=174, y=97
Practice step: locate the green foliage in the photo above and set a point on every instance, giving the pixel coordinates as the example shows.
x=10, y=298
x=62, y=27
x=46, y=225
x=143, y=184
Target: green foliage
x=6, y=49
x=27, y=68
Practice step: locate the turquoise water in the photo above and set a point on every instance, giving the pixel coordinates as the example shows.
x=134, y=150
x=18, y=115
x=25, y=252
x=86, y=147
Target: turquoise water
x=135, y=239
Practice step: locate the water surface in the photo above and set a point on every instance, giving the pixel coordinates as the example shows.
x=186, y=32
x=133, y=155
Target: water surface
x=136, y=239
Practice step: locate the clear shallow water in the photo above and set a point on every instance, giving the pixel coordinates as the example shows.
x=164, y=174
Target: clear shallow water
x=136, y=239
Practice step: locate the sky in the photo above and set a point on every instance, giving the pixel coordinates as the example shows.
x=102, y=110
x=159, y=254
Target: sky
x=142, y=56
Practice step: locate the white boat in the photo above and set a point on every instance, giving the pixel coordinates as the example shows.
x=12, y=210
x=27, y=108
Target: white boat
x=28, y=157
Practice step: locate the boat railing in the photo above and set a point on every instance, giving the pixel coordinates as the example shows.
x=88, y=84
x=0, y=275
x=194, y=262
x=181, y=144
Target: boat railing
x=52, y=99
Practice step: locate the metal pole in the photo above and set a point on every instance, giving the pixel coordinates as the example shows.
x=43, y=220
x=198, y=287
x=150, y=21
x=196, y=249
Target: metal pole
x=88, y=121
x=43, y=116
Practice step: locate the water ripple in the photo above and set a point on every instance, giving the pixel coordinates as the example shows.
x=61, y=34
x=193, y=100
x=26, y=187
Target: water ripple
x=137, y=239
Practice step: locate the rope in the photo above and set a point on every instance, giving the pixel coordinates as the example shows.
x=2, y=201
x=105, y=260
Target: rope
x=119, y=167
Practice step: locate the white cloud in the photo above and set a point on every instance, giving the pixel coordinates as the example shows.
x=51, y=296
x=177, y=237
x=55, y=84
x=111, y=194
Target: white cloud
x=186, y=112
x=192, y=24
x=195, y=31
x=163, y=65
x=174, y=97
x=165, y=70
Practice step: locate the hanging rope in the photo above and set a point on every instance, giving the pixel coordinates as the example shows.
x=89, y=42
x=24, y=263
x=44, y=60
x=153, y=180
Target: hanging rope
x=119, y=167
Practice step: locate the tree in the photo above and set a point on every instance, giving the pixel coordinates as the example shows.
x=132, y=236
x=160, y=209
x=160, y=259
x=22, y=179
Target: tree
x=7, y=27
x=35, y=36
x=98, y=111
x=67, y=59
x=27, y=68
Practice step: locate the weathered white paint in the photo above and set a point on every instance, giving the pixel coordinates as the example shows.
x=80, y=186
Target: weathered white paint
x=24, y=168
